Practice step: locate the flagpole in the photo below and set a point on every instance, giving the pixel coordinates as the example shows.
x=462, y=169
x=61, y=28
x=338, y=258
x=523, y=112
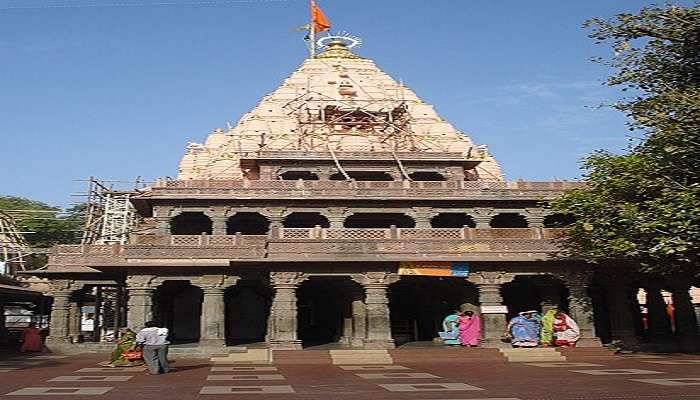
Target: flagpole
x=312, y=29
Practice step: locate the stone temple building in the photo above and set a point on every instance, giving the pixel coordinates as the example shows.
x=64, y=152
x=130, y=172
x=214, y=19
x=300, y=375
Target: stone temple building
x=342, y=210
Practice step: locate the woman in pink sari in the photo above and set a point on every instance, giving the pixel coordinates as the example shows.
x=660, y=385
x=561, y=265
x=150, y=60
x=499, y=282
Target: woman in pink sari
x=469, y=329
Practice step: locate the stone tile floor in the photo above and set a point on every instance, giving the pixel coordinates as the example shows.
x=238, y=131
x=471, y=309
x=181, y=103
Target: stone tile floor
x=618, y=378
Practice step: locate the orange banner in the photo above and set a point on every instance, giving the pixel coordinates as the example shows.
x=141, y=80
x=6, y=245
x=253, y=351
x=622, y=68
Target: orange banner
x=319, y=19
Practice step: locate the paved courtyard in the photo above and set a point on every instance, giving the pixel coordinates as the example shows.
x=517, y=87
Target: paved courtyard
x=618, y=377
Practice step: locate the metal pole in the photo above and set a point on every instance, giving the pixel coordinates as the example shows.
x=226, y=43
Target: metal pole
x=312, y=29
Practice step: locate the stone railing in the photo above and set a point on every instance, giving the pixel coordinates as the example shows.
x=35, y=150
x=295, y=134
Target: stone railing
x=394, y=233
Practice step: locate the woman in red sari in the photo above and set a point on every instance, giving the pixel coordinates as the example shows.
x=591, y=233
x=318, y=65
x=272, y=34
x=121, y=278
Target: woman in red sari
x=31, y=338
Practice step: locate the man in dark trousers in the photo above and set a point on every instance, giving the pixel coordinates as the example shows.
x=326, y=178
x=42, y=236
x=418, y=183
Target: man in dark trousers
x=155, y=347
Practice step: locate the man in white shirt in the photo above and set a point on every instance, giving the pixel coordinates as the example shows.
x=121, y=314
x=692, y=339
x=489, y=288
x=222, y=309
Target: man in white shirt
x=155, y=347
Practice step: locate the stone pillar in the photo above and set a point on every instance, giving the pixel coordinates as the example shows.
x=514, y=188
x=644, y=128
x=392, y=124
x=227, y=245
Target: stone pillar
x=685, y=318
x=493, y=323
x=620, y=310
x=140, y=304
x=213, y=318
x=535, y=217
x=359, y=325
x=3, y=328
x=218, y=225
x=581, y=306
x=75, y=322
x=659, y=322
x=163, y=225
x=482, y=217
x=283, y=314
x=423, y=216
x=276, y=216
x=61, y=291
x=336, y=217
x=377, y=309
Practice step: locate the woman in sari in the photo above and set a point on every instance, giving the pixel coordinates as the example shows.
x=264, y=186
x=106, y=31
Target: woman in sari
x=469, y=329
x=31, y=338
x=525, y=329
x=566, y=330
x=126, y=342
x=547, y=332
x=450, y=327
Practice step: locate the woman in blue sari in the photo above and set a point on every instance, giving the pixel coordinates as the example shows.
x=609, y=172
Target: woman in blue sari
x=525, y=329
x=450, y=327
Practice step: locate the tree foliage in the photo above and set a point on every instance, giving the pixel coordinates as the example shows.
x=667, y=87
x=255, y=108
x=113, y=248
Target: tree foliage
x=644, y=206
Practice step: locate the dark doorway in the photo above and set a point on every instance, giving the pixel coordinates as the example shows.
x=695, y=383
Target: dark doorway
x=508, y=220
x=534, y=293
x=190, y=223
x=363, y=176
x=379, y=220
x=426, y=176
x=296, y=175
x=247, y=310
x=419, y=304
x=452, y=220
x=325, y=310
x=178, y=307
x=305, y=220
x=247, y=223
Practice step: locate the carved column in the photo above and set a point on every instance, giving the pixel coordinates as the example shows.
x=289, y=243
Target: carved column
x=61, y=291
x=377, y=309
x=140, y=305
x=3, y=329
x=75, y=322
x=283, y=315
x=213, y=318
x=659, y=322
x=359, y=325
x=535, y=217
x=336, y=216
x=581, y=306
x=493, y=323
x=218, y=225
x=423, y=216
x=163, y=217
x=276, y=216
x=482, y=217
x=620, y=309
x=686, y=322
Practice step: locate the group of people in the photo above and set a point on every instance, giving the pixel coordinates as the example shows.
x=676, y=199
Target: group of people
x=554, y=328
x=149, y=346
x=461, y=329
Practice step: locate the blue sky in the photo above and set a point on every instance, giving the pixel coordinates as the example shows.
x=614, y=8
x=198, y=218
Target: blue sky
x=117, y=92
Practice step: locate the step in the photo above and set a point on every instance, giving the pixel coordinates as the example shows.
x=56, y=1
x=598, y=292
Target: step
x=249, y=355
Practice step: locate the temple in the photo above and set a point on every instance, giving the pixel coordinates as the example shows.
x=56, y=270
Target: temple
x=343, y=211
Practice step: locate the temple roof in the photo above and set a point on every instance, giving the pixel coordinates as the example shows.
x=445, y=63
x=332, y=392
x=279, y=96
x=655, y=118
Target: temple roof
x=335, y=102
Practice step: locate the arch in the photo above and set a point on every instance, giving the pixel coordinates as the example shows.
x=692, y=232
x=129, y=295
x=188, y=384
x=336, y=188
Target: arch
x=305, y=220
x=534, y=292
x=296, y=175
x=452, y=220
x=247, y=223
x=418, y=305
x=178, y=307
x=379, y=220
x=191, y=223
x=508, y=220
x=247, y=311
x=363, y=176
x=431, y=176
x=328, y=311
x=559, y=220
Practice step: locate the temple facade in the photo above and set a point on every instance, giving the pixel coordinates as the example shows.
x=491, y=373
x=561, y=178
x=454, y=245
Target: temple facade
x=342, y=210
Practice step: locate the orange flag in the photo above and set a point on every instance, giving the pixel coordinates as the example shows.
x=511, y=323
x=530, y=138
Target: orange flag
x=319, y=19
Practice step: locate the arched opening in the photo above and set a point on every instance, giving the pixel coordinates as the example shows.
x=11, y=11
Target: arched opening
x=190, y=223
x=431, y=176
x=420, y=303
x=178, y=307
x=296, y=175
x=363, y=176
x=247, y=310
x=559, y=220
x=247, y=223
x=330, y=310
x=305, y=220
x=452, y=220
x=540, y=293
x=379, y=220
x=508, y=220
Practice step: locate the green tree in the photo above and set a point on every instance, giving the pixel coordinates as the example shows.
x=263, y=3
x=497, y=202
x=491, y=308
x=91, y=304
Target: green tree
x=644, y=206
x=49, y=226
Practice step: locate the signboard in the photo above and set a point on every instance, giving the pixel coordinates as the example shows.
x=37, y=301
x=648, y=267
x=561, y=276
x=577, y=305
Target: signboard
x=434, y=268
x=494, y=309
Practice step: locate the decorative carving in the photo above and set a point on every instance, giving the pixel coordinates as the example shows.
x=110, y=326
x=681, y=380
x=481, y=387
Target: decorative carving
x=207, y=282
x=491, y=277
x=279, y=278
x=139, y=281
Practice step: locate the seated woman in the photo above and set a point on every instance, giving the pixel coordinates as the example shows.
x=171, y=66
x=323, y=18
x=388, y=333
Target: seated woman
x=525, y=329
x=566, y=330
x=126, y=342
x=450, y=326
x=469, y=329
x=31, y=339
x=547, y=332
